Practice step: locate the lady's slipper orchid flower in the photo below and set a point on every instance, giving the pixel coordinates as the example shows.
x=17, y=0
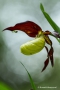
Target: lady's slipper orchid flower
x=36, y=45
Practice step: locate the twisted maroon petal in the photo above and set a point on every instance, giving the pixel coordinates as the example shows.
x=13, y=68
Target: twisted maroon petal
x=46, y=49
x=51, y=51
x=45, y=64
x=51, y=56
x=46, y=61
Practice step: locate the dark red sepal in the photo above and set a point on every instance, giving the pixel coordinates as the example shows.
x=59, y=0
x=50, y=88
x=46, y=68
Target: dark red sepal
x=29, y=27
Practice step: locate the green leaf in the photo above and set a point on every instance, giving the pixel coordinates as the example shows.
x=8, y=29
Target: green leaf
x=41, y=7
x=3, y=86
x=52, y=23
x=31, y=80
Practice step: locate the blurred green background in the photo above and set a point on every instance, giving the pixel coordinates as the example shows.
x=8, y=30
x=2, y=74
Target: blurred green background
x=12, y=74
